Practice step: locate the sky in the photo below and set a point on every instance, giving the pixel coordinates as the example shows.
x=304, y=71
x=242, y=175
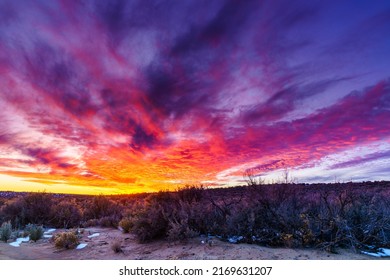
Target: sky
x=141, y=96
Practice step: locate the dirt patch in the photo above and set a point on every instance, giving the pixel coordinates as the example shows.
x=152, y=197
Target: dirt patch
x=99, y=247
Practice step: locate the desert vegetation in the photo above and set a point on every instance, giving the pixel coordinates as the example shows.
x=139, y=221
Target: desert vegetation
x=325, y=216
x=34, y=232
x=66, y=240
x=5, y=231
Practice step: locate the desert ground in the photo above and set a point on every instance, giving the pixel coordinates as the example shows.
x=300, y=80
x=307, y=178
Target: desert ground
x=200, y=248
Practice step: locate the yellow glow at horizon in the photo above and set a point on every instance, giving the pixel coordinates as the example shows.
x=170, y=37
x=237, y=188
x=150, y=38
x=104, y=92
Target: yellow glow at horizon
x=11, y=183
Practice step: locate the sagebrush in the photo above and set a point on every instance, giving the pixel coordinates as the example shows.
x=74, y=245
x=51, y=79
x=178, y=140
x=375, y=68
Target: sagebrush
x=5, y=231
x=34, y=231
x=66, y=240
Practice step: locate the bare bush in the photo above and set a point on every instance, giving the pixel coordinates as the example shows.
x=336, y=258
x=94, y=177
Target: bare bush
x=191, y=194
x=102, y=206
x=66, y=214
x=37, y=208
x=253, y=179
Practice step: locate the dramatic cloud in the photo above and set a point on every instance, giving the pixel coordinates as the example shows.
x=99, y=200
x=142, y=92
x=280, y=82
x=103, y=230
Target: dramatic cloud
x=130, y=96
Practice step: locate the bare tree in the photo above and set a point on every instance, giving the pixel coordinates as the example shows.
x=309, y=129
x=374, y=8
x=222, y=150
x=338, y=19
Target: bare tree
x=252, y=179
x=286, y=177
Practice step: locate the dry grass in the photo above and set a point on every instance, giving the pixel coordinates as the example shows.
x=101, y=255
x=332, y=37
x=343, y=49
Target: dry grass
x=116, y=247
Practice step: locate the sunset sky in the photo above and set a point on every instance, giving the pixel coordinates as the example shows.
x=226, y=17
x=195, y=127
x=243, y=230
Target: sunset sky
x=133, y=96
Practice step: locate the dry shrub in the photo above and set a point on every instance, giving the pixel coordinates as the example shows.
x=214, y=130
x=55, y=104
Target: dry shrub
x=180, y=230
x=66, y=214
x=32, y=208
x=116, y=247
x=150, y=219
x=5, y=231
x=191, y=194
x=66, y=240
x=176, y=216
x=37, y=208
x=126, y=224
x=150, y=224
x=294, y=215
x=110, y=221
x=13, y=211
x=102, y=206
x=35, y=232
x=91, y=223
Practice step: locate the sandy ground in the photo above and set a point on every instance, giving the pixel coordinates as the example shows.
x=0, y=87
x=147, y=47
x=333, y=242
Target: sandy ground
x=99, y=248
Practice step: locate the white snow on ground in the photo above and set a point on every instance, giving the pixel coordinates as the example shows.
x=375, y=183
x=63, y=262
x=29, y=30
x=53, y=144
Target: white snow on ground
x=47, y=236
x=382, y=252
x=19, y=241
x=81, y=246
x=386, y=252
x=371, y=254
x=235, y=239
x=94, y=235
x=50, y=230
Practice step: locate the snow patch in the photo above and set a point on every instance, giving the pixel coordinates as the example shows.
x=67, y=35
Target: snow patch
x=381, y=252
x=19, y=241
x=371, y=254
x=47, y=236
x=15, y=244
x=386, y=251
x=81, y=246
x=93, y=235
x=235, y=239
x=50, y=230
